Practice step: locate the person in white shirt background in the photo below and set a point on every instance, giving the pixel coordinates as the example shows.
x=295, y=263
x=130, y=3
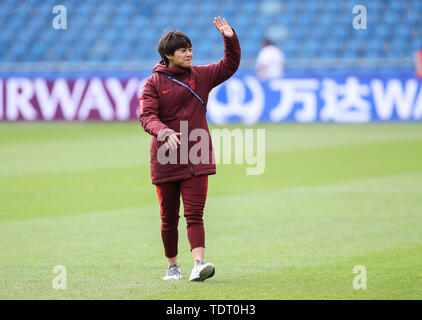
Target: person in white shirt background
x=270, y=62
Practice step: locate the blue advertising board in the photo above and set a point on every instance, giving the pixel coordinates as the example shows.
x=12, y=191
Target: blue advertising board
x=344, y=97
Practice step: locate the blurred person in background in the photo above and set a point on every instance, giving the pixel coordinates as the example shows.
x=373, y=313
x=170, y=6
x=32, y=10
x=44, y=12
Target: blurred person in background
x=270, y=61
x=177, y=92
x=418, y=63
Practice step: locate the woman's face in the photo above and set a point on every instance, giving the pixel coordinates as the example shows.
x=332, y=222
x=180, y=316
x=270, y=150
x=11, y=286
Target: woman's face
x=182, y=57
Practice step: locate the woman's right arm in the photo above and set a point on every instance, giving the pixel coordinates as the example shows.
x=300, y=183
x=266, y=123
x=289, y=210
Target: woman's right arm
x=149, y=112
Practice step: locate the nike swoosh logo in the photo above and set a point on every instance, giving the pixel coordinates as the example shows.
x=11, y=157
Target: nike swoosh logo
x=166, y=91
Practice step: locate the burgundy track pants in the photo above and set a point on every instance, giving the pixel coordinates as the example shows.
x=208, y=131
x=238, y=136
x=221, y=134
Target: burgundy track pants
x=194, y=194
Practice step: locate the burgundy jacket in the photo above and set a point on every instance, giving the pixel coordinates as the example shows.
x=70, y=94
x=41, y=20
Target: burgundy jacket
x=163, y=104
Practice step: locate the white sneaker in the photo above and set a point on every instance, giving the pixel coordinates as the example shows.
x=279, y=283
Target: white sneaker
x=202, y=271
x=173, y=273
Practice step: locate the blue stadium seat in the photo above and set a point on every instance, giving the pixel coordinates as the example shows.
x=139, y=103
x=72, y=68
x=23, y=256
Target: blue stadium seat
x=304, y=29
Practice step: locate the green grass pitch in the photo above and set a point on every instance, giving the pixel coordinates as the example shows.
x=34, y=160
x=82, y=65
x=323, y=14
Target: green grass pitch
x=332, y=197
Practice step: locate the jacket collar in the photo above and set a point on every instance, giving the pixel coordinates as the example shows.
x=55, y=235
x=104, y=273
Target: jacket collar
x=173, y=70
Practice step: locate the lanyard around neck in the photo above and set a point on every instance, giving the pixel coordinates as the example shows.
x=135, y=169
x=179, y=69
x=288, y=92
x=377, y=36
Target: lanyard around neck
x=186, y=86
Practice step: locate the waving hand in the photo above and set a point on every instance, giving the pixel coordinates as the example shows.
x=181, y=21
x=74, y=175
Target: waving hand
x=223, y=27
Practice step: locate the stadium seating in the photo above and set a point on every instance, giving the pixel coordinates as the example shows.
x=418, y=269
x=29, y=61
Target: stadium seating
x=129, y=30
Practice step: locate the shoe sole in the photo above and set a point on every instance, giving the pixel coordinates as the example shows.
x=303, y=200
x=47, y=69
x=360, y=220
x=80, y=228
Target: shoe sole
x=205, y=273
x=171, y=278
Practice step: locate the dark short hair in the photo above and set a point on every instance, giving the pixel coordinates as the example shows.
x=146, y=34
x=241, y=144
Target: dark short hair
x=172, y=41
x=267, y=42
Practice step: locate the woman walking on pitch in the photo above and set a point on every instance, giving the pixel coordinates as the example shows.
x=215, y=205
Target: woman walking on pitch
x=172, y=109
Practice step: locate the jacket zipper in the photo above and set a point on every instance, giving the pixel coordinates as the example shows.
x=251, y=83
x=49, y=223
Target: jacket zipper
x=184, y=100
x=186, y=118
x=184, y=114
